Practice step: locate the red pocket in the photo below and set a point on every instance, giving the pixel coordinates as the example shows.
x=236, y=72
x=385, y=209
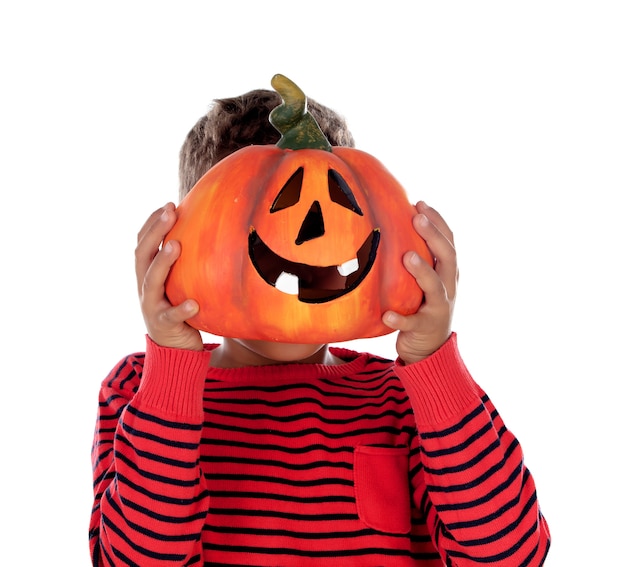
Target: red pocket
x=381, y=484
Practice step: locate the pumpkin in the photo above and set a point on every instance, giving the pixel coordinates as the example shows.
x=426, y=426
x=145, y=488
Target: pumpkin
x=297, y=242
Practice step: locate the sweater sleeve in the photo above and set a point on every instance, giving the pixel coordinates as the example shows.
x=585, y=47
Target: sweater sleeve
x=480, y=499
x=149, y=495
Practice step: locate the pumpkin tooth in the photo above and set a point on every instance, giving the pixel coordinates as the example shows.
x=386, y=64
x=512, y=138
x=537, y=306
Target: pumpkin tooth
x=287, y=283
x=348, y=267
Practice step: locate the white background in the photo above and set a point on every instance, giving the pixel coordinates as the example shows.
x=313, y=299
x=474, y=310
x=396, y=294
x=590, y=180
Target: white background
x=508, y=117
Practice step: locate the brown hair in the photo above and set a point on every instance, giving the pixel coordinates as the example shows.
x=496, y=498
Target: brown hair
x=234, y=123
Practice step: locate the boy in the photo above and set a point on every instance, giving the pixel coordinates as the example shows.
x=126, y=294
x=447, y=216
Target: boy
x=257, y=453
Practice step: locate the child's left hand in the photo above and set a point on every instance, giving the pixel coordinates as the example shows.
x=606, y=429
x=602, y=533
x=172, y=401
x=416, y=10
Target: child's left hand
x=424, y=332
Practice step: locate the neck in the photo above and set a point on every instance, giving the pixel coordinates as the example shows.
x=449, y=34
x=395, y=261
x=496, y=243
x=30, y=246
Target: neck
x=236, y=353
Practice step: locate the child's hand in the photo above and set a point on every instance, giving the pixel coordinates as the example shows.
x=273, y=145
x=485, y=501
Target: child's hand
x=165, y=323
x=424, y=332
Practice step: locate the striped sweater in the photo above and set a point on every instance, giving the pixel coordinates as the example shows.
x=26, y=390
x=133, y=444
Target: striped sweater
x=368, y=463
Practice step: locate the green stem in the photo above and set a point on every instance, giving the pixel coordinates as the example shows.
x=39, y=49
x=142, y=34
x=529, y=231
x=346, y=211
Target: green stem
x=299, y=130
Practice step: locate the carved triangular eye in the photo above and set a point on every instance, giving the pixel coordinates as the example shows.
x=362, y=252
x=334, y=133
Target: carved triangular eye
x=290, y=194
x=341, y=193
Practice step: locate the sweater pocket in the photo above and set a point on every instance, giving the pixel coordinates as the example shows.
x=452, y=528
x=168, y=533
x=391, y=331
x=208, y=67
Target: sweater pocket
x=381, y=485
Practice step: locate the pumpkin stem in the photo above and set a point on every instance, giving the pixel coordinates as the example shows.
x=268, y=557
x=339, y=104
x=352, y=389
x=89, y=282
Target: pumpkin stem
x=299, y=130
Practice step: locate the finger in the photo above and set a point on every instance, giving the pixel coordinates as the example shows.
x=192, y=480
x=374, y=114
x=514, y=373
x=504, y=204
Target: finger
x=153, y=218
x=429, y=282
x=426, y=277
x=442, y=249
x=435, y=218
x=150, y=239
x=180, y=313
x=414, y=323
x=153, y=284
x=398, y=322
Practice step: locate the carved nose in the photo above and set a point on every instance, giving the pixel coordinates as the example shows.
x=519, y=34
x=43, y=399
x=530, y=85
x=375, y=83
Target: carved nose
x=312, y=225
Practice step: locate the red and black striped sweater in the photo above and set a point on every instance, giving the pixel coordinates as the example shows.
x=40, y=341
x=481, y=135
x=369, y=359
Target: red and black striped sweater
x=363, y=464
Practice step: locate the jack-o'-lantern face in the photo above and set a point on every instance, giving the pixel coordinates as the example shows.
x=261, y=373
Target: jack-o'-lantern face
x=310, y=256
x=295, y=245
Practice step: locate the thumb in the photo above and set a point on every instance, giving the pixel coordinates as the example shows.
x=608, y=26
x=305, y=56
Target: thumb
x=396, y=321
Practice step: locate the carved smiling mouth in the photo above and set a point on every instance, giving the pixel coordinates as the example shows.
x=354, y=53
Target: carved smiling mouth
x=312, y=284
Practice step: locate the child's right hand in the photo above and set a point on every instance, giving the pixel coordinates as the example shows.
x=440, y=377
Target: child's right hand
x=165, y=323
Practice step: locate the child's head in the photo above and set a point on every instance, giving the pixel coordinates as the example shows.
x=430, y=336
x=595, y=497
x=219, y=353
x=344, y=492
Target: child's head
x=234, y=123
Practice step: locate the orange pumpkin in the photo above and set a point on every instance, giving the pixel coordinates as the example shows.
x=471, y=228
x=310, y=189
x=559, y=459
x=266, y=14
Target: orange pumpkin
x=299, y=245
